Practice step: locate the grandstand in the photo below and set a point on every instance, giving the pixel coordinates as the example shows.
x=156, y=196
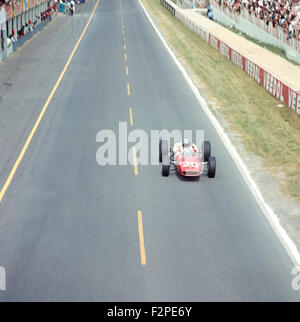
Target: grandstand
x=283, y=13
x=273, y=22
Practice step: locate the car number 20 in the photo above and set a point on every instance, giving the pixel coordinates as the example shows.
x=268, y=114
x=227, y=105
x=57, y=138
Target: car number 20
x=190, y=165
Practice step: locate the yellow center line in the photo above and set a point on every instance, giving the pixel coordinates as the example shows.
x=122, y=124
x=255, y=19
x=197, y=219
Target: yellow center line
x=36, y=125
x=128, y=89
x=124, y=39
x=130, y=116
x=141, y=237
x=135, y=167
x=125, y=56
x=126, y=69
x=124, y=46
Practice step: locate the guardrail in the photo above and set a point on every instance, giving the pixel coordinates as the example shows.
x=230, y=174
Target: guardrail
x=283, y=92
x=168, y=6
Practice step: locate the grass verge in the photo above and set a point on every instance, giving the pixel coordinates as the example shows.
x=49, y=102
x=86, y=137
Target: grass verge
x=269, y=131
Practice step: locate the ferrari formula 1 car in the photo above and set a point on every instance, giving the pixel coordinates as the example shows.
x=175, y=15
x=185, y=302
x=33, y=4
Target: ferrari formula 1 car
x=187, y=159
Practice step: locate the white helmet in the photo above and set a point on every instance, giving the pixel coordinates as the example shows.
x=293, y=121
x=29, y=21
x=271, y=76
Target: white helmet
x=186, y=143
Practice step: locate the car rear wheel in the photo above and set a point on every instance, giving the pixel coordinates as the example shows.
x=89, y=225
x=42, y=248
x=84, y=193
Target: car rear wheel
x=206, y=148
x=163, y=149
x=165, y=170
x=212, y=164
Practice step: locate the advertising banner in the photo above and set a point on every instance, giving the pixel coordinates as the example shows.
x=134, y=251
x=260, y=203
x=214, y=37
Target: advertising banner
x=8, y=8
x=33, y=3
x=17, y=7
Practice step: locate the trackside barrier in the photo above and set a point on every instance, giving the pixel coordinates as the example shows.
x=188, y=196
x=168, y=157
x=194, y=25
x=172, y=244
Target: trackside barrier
x=284, y=93
x=167, y=5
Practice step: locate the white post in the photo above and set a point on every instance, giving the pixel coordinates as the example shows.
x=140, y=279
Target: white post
x=2, y=279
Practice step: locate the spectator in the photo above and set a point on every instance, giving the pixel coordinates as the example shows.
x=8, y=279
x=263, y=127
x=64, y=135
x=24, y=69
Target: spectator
x=210, y=15
x=208, y=9
x=26, y=29
x=62, y=7
x=290, y=31
x=73, y=6
x=8, y=42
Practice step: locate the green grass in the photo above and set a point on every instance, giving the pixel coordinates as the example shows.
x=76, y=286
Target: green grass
x=269, y=131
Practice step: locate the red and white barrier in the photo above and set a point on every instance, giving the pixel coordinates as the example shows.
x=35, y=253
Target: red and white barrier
x=280, y=90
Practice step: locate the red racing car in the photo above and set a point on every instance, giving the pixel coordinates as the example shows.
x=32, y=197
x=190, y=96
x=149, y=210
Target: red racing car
x=187, y=159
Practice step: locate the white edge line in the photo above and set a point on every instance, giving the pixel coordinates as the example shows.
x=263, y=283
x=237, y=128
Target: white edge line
x=281, y=233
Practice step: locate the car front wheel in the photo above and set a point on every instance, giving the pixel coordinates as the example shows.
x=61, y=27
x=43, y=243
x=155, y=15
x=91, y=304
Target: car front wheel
x=212, y=164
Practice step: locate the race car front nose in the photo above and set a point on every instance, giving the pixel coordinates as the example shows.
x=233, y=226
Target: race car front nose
x=191, y=173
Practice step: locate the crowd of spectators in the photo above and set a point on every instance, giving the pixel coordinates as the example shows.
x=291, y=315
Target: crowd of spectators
x=30, y=25
x=282, y=13
x=64, y=6
x=68, y=7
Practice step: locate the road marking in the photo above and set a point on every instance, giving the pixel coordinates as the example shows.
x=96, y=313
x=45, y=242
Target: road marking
x=123, y=32
x=36, y=125
x=130, y=116
x=135, y=167
x=141, y=238
x=125, y=56
x=128, y=89
x=273, y=219
x=124, y=46
x=124, y=39
x=126, y=69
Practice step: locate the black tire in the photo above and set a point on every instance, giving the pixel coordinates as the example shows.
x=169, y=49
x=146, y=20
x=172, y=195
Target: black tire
x=206, y=150
x=160, y=153
x=163, y=149
x=165, y=170
x=212, y=165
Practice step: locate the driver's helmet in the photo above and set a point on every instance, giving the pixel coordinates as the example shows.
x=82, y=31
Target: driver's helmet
x=186, y=144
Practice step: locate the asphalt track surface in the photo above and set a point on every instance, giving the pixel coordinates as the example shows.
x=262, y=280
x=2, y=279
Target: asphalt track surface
x=69, y=228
